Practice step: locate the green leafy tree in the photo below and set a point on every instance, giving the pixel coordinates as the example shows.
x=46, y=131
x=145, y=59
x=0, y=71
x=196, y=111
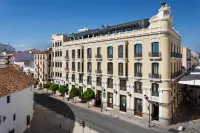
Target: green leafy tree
x=74, y=92
x=54, y=87
x=47, y=86
x=89, y=95
x=62, y=90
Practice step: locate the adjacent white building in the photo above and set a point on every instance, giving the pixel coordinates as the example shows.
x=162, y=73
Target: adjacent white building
x=16, y=98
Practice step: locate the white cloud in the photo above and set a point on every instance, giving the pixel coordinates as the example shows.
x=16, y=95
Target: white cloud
x=48, y=41
x=19, y=45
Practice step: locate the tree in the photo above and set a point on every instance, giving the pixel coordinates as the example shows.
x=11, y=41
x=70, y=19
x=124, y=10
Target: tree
x=62, y=90
x=54, y=87
x=47, y=86
x=89, y=95
x=74, y=92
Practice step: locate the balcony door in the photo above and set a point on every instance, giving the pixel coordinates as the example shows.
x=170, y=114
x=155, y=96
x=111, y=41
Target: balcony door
x=138, y=50
x=155, y=47
x=110, y=52
x=98, y=51
x=138, y=68
x=155, y=68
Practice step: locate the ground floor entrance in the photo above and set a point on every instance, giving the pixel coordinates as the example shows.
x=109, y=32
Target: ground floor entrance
x=122, y=106
x=81, y=92
x=138, y=107
x=110, y=100
x=98, y=98
x=155, y=111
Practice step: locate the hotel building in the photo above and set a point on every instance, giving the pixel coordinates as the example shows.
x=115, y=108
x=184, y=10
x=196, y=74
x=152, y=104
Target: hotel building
x=128, y=65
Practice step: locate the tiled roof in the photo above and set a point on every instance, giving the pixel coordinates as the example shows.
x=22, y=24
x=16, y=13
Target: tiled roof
x=13, y=80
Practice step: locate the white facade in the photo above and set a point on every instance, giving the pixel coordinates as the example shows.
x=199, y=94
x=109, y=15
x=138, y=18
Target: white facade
x=21, y=104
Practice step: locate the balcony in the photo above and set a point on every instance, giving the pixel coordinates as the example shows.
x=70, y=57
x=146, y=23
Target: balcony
x=173, y=54
x=98, y=72
x=138, y=91
x=99, y=84
x=155, y=93
x=89, y=82
x=80, y=81
x=89, y=57
x=110, y=57
x=155, y=55
x=110, y=73
x=123, y=88
x=98, y=57
x=138, y=55
x=155, y=77
x=138, y=75
x=73, y=69
x=89, y=70
x=67, y=58
x=109, y=85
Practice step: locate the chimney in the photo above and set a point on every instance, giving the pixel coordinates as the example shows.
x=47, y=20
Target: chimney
x=163, y=4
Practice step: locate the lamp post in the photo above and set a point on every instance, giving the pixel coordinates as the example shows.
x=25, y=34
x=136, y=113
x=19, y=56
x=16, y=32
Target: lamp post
x=147, y=98
x=102, y=99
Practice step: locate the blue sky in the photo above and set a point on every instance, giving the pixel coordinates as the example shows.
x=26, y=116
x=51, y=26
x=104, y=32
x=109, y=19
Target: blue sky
x=30, y=23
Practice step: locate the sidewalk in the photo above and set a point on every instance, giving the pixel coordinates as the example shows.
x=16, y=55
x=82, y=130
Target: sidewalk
x=137, y=121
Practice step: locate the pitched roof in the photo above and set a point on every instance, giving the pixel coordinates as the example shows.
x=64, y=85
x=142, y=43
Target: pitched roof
x=13, y=80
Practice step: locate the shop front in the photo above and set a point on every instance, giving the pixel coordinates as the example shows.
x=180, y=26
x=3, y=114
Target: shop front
x=110, y=100
x=122, y=103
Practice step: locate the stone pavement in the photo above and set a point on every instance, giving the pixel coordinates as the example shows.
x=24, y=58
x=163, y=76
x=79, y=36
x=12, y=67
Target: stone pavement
x=190, y=126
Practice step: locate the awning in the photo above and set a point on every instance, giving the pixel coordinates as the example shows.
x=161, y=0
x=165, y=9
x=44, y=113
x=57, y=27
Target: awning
x=192, y=79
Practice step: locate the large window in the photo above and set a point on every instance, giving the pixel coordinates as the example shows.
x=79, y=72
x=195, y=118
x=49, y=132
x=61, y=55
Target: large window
x=138, y=50
x=138, y=69
x=110, y=52
x=89, y=80
x=120, y=69
x=79, y=66
x=138, y=107
x=155, y=47
x=98, y=81
x=89, y=53
x=138, y=87
x=99, y=66
x=110, y=68
x=120, y=51
x=73, y=66
x=73, y=77
x=155, y=68
x=109, y=83
x=99, y=51
x=80, y=78
x=73, y=53
x=79, y=53
x=155, y=91
x=123, y=85
x=67, y=53
x=89, y=67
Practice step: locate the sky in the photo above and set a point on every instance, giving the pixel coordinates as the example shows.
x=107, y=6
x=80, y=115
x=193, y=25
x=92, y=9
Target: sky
x=29, y=24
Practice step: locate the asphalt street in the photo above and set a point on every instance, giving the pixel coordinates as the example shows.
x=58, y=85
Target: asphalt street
x=99, y=122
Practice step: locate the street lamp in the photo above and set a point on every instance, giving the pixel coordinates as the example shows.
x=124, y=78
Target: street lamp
x=102, y=99
x=147, y=98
